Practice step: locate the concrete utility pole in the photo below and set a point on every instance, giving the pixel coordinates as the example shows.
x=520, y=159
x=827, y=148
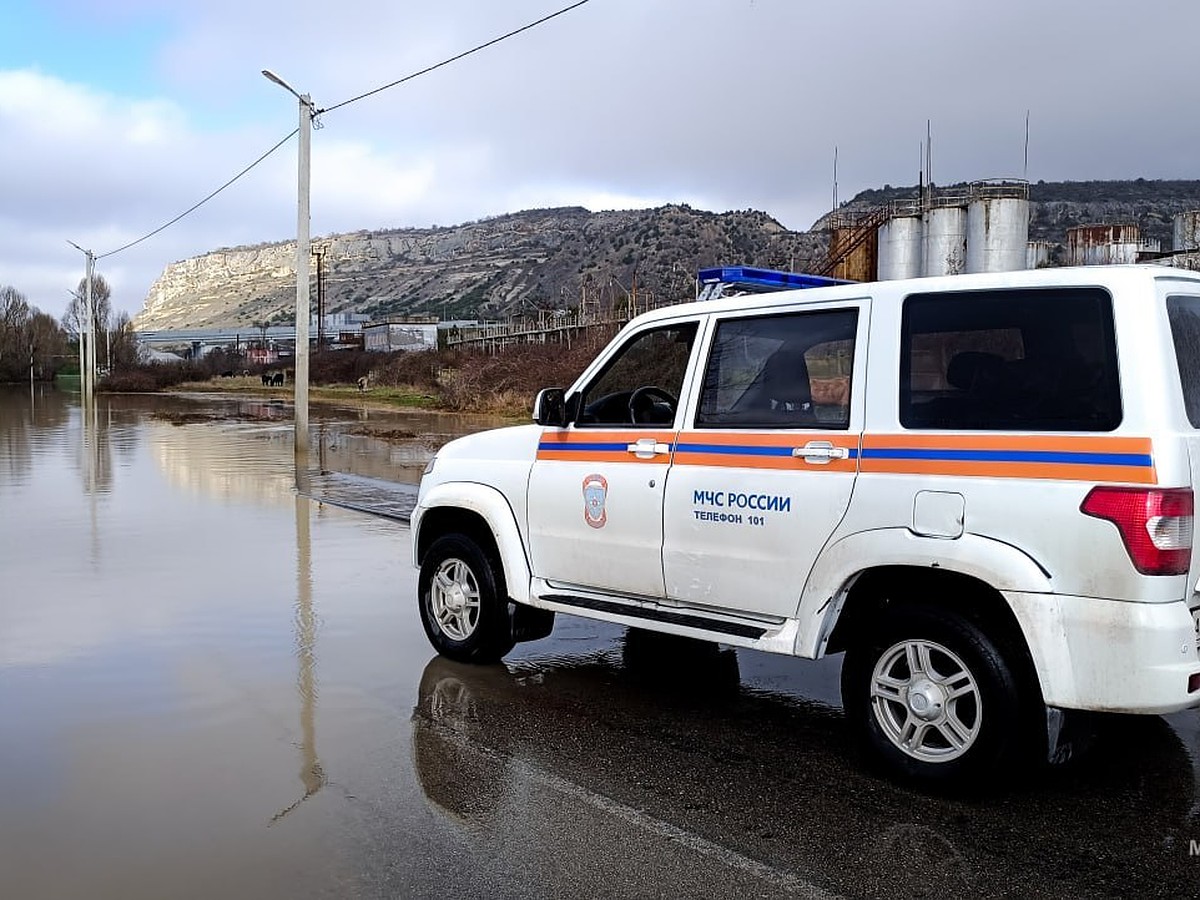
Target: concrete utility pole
x=91, y=329
x=87, y=352
x=303, y=179
x=319, y=253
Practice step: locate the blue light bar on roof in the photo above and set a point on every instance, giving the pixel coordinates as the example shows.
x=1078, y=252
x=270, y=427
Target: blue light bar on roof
x=764, y=279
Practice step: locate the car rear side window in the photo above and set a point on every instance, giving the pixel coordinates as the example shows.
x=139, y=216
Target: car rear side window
x=1184, y=315
x=1039, y=359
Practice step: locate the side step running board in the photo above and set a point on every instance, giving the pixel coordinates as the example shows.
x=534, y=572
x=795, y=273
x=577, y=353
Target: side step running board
x=658, y=614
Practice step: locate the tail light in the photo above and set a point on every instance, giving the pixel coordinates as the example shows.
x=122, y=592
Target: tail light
x=1155, y=524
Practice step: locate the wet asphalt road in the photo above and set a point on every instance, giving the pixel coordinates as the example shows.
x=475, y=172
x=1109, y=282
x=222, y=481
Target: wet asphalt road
x=212, y=687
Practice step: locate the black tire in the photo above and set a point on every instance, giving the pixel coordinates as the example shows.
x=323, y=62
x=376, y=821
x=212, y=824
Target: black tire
x=463, y=601
x=969, y=715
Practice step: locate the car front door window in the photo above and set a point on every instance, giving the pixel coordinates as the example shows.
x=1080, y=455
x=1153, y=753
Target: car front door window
x=640, y=387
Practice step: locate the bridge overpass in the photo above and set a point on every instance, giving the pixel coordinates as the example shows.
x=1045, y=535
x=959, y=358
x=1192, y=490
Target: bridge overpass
x=218, y=337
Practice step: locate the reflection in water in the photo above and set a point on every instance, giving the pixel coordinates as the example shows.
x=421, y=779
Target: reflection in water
x=388, y=444
x=30, y=419
x=455, y=776
x=95, y=451
x=225, y=462
x=143, y=679
x=753, y=771
x=462, y=719
x=941, y=863
x=312, y=775
x=97, y=474
x=679, y=665
x=141, y=700
x=109, y=428
x=215, y=445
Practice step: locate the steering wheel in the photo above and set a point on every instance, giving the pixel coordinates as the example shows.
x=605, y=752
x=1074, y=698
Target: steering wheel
x=638, y=405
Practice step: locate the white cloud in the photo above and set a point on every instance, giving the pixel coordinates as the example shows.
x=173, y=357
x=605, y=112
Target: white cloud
x=723, y=104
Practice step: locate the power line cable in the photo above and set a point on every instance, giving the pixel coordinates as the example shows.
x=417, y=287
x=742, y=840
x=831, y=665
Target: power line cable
x=196, y=206
x=317, y=112
x=446, y=62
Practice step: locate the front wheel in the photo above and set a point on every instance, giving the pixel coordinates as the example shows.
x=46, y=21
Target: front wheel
x=933, y=698
x=463, y=602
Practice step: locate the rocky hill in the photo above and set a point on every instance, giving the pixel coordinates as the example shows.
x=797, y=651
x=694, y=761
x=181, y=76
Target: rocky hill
x=553, y=258
x=539, y=259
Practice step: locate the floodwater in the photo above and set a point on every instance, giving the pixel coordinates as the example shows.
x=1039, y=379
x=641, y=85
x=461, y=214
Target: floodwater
x=213, y=686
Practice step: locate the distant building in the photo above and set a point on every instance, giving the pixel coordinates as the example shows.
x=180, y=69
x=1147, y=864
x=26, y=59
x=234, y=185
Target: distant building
x=408, y=333
x=262, y=356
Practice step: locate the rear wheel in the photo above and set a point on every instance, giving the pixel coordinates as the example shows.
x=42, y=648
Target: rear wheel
x=463, y=601
x=932, y=697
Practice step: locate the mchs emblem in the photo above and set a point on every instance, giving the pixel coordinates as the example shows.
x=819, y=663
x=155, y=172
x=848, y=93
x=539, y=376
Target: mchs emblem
x=595, y=489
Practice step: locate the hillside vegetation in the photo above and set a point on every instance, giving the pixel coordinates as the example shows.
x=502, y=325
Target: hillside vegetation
x=560, y=258
x=541, y=259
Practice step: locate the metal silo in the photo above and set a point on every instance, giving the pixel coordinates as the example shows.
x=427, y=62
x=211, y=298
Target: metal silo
x=1038, y=253
x=945, y=239
x=853, y=242
x=1187, y=230
x=900, y=244
x=997, y=225
x=1185, y=259
x=1105, y=245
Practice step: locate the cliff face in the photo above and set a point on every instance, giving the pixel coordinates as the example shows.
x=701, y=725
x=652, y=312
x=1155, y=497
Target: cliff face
x=236, y=286
x=538, y=259
x=555, y=258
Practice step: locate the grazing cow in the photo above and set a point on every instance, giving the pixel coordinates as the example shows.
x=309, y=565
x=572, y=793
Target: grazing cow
x=362, y=384
x=266, y=378
x=277, y=380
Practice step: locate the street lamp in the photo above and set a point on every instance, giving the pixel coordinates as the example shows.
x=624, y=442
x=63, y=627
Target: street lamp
x=87, y=363
x=300, y=384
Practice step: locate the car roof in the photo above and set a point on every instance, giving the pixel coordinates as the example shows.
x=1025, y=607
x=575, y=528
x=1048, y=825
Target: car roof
x=1078, y=276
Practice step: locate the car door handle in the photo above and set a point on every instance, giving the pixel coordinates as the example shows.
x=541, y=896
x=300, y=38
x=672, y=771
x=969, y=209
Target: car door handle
x=820, y=452
x=648, y=448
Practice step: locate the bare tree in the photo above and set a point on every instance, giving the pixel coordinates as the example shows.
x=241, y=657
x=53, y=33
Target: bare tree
x=29, y=339
x=122, y=345
x=47, y=341
x=75, y=318
x=14, y=320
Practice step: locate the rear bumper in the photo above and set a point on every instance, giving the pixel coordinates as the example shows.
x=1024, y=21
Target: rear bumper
x=1110, y=655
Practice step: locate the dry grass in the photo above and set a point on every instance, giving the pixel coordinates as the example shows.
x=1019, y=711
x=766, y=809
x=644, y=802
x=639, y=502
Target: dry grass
x=504, y=383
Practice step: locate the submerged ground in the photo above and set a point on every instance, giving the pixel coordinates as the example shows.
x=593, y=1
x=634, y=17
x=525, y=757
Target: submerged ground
x=213, y=686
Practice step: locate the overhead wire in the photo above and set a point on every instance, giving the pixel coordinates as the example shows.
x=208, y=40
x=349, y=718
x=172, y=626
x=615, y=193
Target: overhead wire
x=196, y=206
x=318, y=112
x=446, y=62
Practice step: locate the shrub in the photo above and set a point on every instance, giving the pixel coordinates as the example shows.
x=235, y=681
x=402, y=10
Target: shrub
x=150, y=377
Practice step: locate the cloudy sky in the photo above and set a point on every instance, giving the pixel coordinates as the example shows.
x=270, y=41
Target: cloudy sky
x=117, y=115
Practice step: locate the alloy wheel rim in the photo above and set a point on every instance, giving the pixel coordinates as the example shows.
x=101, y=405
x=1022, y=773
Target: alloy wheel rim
x=454, y=599
x=926, y=701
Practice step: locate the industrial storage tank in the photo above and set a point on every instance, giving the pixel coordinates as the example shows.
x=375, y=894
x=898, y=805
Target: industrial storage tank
x=997, y=225
x=945, y=240
x=1106, y=245
x=1038, y=254
x=1187, y=230
x=901, y=245
x=1183, y=259
x=853, y=242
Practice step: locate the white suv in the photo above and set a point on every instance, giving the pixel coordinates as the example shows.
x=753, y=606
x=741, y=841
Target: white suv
x=979, y=487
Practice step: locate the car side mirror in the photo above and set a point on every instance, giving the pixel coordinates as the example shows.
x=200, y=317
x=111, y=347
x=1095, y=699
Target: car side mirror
x=550, y=408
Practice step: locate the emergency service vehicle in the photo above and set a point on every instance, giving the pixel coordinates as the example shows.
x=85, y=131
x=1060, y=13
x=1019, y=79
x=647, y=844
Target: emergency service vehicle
x=979, y=487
